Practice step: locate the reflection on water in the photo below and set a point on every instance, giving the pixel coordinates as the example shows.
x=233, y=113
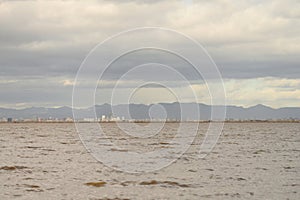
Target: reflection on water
x=251, y=160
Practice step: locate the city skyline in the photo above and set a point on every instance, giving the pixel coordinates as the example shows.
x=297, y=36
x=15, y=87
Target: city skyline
x=154, y=112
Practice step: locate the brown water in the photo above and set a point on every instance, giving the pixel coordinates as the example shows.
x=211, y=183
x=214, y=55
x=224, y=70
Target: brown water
x=250, y=161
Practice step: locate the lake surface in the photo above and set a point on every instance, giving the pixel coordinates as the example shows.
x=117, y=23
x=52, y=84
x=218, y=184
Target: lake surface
x=250, y=161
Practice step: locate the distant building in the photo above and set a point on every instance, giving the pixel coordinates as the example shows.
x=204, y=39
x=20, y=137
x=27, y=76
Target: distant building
x=68, y=119
x=9, y=120
x=89, y=120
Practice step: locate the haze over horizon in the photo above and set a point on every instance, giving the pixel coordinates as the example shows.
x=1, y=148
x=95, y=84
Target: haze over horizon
x=163, y=111
x=101, y=104
x=255, y=44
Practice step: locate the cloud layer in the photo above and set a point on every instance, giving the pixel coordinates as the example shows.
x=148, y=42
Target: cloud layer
x=42, y=44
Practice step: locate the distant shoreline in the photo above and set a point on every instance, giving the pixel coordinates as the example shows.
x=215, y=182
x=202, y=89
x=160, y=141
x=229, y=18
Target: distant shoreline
x=146, y=122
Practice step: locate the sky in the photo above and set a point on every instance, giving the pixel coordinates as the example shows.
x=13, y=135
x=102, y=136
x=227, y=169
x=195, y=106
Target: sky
x=255, y=45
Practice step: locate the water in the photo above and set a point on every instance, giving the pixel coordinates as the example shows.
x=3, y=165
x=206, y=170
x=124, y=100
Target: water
x=250, y=161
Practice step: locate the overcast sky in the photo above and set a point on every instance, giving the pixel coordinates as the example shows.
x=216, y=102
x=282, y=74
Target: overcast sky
x=255, y=44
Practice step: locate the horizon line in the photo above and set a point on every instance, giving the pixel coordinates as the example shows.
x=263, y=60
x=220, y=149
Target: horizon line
x=227, y=105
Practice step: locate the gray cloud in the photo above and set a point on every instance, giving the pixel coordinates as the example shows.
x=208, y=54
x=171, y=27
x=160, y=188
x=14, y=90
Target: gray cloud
x=49, y=39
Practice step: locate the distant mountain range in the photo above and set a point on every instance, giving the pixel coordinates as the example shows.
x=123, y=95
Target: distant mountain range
x=141, y=112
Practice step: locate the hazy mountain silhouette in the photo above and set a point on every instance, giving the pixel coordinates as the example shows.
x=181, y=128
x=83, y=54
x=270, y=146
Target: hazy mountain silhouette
x=141, y=111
